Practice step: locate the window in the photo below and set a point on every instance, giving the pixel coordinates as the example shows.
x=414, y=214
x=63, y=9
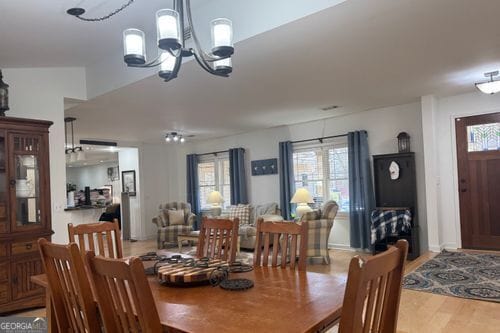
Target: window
x=323, y=170
x=213, y=175
x=483, y=137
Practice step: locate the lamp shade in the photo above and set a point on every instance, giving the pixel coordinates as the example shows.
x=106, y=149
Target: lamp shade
x=169, y=29
x=222, y=37
x=302, y=195
x=134, y=47
x=223, y=66
x=167, y=65
x=215, y=198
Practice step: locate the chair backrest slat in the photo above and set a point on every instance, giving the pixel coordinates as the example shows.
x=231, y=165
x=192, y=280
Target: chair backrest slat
x=373, y=292
x=218, y=239
x=285, y=239
x=90, y=238
x=72, y=298
x=125, y=299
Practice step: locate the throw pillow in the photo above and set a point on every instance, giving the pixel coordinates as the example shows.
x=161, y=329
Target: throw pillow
x=242, y=212
x=176, y=217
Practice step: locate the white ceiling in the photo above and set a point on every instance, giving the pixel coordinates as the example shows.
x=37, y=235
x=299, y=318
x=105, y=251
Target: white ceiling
x=360, y=54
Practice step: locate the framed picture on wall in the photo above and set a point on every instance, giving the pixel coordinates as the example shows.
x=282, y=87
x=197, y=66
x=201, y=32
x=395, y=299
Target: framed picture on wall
x=128, y=182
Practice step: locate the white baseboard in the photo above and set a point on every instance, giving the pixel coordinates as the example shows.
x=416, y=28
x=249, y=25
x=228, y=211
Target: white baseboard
x=449, y=246
x=444, y=246
x=435, y=248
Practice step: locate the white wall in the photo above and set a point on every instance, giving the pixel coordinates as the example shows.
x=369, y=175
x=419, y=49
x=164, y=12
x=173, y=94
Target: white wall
x=382, y=125
x=94, y=176
x=128, y=159
x=446, y=185
x=39, y=93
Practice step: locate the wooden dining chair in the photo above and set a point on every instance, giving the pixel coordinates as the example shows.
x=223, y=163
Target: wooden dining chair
x=218, y=239
x=287, y=237
x=102, y=238
x=373, y=291
x=125, y=299
x=72, y=300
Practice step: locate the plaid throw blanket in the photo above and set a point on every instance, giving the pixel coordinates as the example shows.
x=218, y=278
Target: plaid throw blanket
x=388, y=222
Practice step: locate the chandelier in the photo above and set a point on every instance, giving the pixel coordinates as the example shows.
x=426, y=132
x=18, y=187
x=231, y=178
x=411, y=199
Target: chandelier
x=174, y=26
x=73, y=153
x=174, y=137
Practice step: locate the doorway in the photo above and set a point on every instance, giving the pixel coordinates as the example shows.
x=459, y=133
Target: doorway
x=478, y=158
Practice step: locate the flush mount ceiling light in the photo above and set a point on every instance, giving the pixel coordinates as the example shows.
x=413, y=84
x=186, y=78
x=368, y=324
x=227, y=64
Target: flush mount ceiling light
x=172, y=32
x=491, y=86
x=73, y=153
x=174, y=137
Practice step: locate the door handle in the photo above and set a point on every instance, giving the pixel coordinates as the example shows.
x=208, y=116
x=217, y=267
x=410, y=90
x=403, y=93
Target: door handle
x=12, y=182
x=463, y=190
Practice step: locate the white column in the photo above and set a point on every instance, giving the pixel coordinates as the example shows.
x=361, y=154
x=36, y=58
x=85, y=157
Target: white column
x=429, y=110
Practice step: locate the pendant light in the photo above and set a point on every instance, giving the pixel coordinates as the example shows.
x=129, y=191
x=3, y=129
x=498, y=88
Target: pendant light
x=73, y=154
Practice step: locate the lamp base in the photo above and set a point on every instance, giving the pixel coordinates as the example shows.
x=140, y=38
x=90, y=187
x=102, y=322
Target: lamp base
x=301, y=209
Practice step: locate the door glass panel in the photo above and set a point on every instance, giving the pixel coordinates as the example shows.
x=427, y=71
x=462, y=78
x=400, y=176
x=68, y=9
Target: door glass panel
x=27, y=190
x=483, y=137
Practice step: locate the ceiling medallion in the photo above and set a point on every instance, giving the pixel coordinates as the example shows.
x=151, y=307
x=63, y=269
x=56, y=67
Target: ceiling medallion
x=174, y=26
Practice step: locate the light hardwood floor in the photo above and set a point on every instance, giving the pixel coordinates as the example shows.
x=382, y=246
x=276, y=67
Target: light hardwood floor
x=419, y=312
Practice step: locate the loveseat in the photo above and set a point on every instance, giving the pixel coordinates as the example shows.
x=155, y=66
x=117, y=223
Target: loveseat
x=248, y=215
x=173, y=218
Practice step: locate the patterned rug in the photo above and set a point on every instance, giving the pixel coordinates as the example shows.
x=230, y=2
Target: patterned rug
x=459, y=274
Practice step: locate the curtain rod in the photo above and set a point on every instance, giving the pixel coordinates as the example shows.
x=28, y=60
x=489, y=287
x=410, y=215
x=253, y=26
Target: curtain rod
x=214, y=152
x=320, y=139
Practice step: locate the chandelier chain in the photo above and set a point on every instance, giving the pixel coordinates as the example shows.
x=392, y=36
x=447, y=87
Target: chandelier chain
x=98, y=19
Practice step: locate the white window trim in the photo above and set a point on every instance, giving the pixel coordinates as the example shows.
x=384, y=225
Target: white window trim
x=217, y=158
x=340, y=142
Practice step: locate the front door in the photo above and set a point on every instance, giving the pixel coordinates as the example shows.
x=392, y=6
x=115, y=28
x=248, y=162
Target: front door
x=478, y=155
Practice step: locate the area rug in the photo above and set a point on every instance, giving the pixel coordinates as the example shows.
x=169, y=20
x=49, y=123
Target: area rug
x=467, y=275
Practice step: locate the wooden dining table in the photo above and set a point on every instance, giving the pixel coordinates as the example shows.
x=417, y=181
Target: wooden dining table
x=281, y=300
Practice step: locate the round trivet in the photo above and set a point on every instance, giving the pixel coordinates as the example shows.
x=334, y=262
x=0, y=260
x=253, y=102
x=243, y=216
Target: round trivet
x=236, y=284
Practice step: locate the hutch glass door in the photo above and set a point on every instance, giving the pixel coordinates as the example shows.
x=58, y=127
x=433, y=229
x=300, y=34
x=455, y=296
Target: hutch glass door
x=26, y=182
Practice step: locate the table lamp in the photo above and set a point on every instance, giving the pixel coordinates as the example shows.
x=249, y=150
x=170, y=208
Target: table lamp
x=302, y=197
x=215, y=199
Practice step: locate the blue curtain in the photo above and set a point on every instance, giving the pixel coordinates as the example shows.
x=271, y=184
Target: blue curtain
x=193, y=191
x=361, y=195
x=237, y=176
x=287, y=184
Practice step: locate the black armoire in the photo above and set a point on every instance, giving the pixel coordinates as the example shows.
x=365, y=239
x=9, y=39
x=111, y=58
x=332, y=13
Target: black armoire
x=397, y=194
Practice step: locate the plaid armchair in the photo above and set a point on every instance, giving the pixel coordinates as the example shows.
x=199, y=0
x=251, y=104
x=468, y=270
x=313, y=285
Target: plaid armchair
x=168, y=233
x=320, y=223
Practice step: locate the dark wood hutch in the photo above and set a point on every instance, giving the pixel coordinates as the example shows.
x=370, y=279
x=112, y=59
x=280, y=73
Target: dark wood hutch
x=24, y=209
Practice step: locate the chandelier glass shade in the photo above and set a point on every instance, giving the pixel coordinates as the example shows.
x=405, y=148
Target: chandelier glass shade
x=173, y=27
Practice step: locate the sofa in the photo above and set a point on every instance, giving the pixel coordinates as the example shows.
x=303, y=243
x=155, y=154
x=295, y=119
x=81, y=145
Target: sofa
x=320, y=223
x=173, y=218
x=248, y=215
